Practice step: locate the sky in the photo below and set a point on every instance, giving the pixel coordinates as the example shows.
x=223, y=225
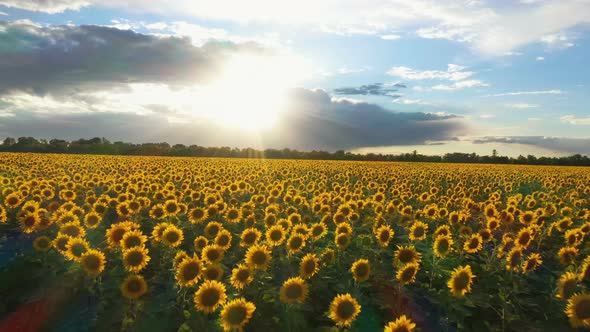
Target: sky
x=383, y=76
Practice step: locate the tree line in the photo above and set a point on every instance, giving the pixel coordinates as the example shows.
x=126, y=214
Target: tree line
x=98, y=145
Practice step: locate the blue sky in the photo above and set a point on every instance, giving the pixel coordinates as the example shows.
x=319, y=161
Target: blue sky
x=465, y=76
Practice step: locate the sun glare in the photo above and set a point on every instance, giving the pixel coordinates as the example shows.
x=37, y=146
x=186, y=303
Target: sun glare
x=251, y=91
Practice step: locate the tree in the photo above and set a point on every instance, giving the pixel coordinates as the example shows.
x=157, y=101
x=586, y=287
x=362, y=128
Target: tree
x=9, y=141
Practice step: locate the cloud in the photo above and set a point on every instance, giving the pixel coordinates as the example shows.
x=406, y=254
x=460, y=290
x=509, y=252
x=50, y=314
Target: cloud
x=406, y=101
x=47, y=6
x=63, y=58
x=557, y=40
x=348, y=70
x=375, y=89
x=540, y=58
x=314, y=120
x=522, y=93
x=522, y=105
x=3, y=14
x=460, y=85
x=453, y=73
x=556, y=144
x=390, y=37
x=573, y=120
x=490, y=27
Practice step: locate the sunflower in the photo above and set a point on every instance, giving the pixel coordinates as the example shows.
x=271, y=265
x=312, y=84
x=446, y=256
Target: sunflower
x=318, y=230
x=233, y=215
x=133, y=239
x=158, y=211
x=342, y=240
x=241, y=276
x=275, y=235
x=134, y=287
x=418, y=231
x=209, y=296
x=213, y=272
x=567, y=255
x=200, y=242
x=236, y=314
x=408, y=273
x=461, y=281
x=401, y=324
x=328, y=257
x=473, y=244
x=384, y=235
x=212, y=254
x=578, y=310
x=42, y=243
x=197, y=215
x=361, y=270
x=294, y=290
x=344, y=309
x=524, y=237
x=171, y=208
x=249, y=237
x=13, y=200
x=3, y=214
x=29, y=221
x=75, y=248
x=60, y=243
x=531, y=263
x=566, y=285
x=514, y=259
x=309, y=266
x=115, y=233
x=135, y=259
x=188, y=272
x=407, y=254
x=223, y=239
x=344, y=228
x=295, y=243
x=212, y=228
x=93, y=262
x=258, y=257
x=92, y=219
x=172, y=236
x=585, y=270
x=443, y=244
x=179, y=257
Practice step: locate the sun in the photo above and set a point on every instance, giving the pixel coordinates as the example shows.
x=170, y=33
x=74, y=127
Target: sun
x=251, y=91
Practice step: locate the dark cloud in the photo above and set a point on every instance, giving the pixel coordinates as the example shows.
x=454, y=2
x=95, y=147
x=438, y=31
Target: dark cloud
x=314, y=121
x=59, y=59
x=558, y=144
x=375, y=89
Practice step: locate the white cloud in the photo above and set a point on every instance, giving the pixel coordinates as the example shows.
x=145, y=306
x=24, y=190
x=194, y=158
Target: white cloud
x=3, y=14
x=47, y=6
x=557, y=41
x=521, y=93
x=453, y=73
x=347, y=70
x=540, y=58
x=460, y=85
x=390, y=37
x=406, y=101
x=459, y=34
x=490, y=27
x=573, y=120
x=522, y=105
x=487, y=116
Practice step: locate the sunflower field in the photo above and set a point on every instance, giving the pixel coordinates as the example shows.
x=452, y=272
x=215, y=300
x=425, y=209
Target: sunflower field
x=107, y=243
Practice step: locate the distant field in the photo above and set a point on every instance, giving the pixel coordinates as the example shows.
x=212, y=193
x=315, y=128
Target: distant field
x=112, y=243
